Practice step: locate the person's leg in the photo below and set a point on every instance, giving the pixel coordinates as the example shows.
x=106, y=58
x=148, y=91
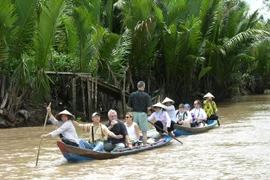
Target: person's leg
x=213, y=117
x=84, y=144
x=143, y=121
x=136, y=118
x=67, y=141
x=171, y=128
x=159, y=127
x=144, y=137
x=119, y=146
x=109, y=147
x=99, y=146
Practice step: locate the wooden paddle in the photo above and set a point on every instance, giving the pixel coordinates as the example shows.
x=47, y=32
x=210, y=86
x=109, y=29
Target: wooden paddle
x=42, y=133
x=166, y=133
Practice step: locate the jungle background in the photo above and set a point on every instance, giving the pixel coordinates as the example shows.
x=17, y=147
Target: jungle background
x=181, y=49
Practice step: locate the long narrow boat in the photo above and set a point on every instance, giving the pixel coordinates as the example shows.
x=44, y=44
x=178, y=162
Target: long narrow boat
x=181, y=130
x=75, y=154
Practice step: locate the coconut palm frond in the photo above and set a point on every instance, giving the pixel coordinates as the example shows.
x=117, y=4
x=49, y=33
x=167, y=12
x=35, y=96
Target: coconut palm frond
x=231, y=43
x=49, y=18
x=21, y=76
x=27, y=16
x=7, y=30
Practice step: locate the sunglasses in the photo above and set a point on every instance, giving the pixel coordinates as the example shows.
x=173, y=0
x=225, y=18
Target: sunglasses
x=127, y=117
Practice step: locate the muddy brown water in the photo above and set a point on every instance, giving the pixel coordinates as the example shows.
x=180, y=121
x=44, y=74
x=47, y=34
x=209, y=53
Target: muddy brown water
x=239, y=149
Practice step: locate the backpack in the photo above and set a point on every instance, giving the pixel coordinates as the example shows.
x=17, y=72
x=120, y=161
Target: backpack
x=184, y=114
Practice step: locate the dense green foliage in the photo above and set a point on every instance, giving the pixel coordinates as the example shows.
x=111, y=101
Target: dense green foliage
x=179, y=47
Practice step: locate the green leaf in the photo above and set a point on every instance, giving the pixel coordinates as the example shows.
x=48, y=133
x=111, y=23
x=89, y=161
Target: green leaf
x=204, y=71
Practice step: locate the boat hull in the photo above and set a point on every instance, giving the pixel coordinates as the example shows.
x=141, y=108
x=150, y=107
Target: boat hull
x=181, y=130
x=75, y=154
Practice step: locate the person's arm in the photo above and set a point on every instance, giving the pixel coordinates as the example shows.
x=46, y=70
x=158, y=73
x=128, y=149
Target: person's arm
x=125, y=133
x=129, y=104
x=152, y=117
x=58, y=131
x=128, y=141
x=215, y=107
x=52, y=118
x=84, y=127
x=149, y=103
x=107, y=132
x=137, y=130
x=204, y=116
x=45, y=135
x=111, y=124
x=189, y=117
x=168, y=120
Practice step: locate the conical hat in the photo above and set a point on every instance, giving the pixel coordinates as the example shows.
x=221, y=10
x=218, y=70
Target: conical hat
x=159, y=105
x=65, y=112
x=167, y=100
x=208, y=95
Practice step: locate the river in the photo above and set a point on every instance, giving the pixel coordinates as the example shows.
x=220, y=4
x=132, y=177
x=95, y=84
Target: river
x=238, y=149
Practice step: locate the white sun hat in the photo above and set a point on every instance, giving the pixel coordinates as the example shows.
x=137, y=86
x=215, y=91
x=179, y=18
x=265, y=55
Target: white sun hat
x=167, y=100
x=208, y=95
x=65, y=112
x=160, y=105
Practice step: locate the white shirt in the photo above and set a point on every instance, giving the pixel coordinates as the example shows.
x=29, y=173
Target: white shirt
x=199, y=113
x=179, y=116
x=67, y=129
x=131, y=131
x=171, y=111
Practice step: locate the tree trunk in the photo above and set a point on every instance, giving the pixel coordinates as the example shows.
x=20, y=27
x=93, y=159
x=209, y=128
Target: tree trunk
x=3, y=87
x=74, y=96
x=96, y=90
x=83, y=98
x=89, y=94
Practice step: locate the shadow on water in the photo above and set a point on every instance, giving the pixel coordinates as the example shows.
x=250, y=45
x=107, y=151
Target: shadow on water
x=236, y=150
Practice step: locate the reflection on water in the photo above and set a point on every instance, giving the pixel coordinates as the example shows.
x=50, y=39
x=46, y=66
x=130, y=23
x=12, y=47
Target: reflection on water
x=236, y=150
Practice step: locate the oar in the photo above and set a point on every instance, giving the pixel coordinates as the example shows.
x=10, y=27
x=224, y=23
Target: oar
x=218, y=122
x=42, y=133
x=166, y=133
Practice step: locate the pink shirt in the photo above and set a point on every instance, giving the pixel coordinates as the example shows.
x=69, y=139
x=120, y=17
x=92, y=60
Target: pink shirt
x=163, y=117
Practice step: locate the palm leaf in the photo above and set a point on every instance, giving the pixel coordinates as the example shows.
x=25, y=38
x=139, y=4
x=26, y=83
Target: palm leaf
x=26, y=26
x=49, y=18
x=204, y=71
x=7, y=30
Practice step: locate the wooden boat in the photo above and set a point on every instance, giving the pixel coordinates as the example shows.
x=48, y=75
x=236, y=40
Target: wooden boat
x=181, y=130
x=75, y=154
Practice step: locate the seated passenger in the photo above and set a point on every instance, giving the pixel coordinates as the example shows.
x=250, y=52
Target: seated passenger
x=170, y=108
x=118, y=128
x=133, y=129
x=97, y=134
x=187, y=107
x=183, y=117
x=199, y=114
x=210, y=107
x=163, y=121
x=65, y=129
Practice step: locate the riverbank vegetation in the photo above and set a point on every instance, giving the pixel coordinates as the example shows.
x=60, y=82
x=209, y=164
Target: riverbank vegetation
x=181, y=48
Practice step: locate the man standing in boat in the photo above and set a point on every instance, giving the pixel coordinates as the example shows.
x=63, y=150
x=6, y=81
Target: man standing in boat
x=140, y=103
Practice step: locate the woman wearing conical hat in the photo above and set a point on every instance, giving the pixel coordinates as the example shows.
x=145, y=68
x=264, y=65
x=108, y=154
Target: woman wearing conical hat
x=66, y=129
x=210, y=107
x=163, y=121
x=170, y=108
